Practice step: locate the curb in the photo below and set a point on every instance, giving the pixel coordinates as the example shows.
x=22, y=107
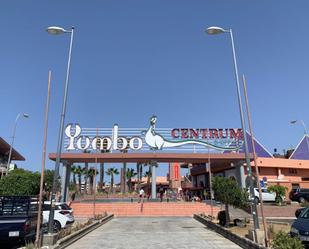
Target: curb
x=70, y=239
x=242, y=242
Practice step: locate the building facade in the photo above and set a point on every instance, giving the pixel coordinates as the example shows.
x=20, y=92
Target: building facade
x=291, y=171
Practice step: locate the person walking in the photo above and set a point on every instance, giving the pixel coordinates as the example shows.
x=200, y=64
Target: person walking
x=141, y=195
x=161, y=191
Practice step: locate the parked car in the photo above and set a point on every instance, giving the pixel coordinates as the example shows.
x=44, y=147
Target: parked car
x=299, y=194
x=267, y=196
x=18, y=219
x=63, y=215
x=300, y=227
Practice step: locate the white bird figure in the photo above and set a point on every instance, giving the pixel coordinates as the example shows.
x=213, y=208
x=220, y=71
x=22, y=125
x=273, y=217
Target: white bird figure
x=155, y=141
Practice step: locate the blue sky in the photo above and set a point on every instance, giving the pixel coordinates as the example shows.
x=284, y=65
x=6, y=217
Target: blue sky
x=132, y=59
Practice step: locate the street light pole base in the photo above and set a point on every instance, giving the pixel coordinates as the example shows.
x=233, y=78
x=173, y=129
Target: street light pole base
x=257, y=236
x=50, y=239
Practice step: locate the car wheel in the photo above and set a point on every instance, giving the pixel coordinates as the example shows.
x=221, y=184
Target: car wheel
x=256, y=200
x=57, y=226
x=302, y=200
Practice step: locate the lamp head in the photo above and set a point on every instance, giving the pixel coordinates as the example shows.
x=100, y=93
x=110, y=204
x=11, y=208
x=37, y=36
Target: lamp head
x=213, y=30
x=54, y=30
x=25, y=115
x=293, y=121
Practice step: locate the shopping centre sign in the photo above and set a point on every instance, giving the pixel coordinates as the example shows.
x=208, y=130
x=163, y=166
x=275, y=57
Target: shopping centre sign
x=219, y=139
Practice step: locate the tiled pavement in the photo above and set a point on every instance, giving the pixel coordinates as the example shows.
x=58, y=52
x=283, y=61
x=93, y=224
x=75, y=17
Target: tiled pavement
x=153, y=233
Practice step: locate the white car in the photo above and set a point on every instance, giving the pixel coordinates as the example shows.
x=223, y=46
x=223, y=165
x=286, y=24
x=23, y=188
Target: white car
x=63, y=215
x=267, y=196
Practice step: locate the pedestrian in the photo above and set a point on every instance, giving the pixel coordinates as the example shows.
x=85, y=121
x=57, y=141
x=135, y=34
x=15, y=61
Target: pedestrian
x=141, y=195
x=161, y=191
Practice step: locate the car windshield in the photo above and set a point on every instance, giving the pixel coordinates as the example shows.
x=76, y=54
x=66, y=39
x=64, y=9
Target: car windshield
x=64, y=206
x=305, y=214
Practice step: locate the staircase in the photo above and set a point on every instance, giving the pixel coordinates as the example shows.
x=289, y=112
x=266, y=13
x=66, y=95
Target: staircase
x=125, y=209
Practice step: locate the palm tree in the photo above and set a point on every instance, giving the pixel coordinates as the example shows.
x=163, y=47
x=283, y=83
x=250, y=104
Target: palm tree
x=91, y=174
x=139, y=170
x=111, y=172
x=86, y=177
x=74, y=171
x=124, y=178
x=148, y=175
x=85, y=172
x=101, y=184
x=79, y=172
x=130, y=174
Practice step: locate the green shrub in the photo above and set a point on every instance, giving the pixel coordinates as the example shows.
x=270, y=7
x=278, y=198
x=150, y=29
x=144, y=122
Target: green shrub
x=25, y=182
x=279, y=190
x=20, y=182
x=283, y=240
x=228, y=191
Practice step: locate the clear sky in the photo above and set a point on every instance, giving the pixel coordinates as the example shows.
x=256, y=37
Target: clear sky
x=132, y=59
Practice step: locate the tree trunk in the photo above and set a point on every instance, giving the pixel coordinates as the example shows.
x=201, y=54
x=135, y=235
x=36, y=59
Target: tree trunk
x=141, y=172
x=137, y=176
x=91, y=184
x=86, y=178
x=80, y=183
x=112, y=183
x=124, y=178
x=101, y=176
x=227, y=215
x=129, y=185
x=74, y=179
x=148, y=180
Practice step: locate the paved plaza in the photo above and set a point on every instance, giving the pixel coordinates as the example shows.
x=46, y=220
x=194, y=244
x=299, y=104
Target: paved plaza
x=154, y=232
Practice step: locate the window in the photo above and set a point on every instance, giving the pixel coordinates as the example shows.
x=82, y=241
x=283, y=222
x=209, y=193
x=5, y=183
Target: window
x=305, y=214
x=292, y=171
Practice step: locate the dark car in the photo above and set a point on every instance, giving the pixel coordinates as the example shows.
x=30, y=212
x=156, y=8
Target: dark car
x=300, y=194
x=299, y=211
x=18, y=219
x=300, y=227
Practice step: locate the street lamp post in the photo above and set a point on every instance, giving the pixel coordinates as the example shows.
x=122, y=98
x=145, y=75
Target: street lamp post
x=57, y=31
x=303, y=124
x=215, y=31
x=25, y=115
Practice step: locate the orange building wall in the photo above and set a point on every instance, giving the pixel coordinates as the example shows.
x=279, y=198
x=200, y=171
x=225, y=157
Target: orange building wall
x=277, y=171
